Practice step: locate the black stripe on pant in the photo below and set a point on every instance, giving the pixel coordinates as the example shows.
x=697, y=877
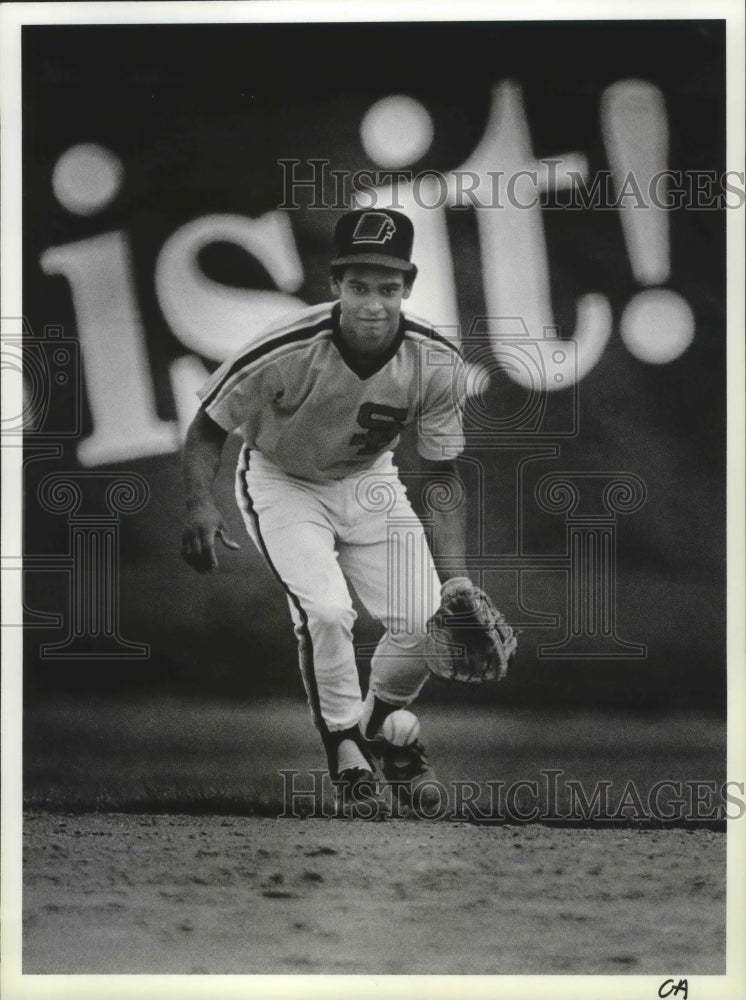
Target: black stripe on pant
x=331, y=740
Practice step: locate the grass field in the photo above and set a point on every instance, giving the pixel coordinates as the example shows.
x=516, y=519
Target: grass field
x=154, y=842
x=179, y=755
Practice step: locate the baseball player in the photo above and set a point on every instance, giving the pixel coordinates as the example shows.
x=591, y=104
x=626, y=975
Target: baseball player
x=320, y=401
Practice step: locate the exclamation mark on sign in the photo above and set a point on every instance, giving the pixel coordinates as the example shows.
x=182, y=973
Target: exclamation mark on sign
x=657, y=324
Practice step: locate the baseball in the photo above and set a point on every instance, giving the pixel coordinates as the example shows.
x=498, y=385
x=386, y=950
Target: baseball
x=401, y=728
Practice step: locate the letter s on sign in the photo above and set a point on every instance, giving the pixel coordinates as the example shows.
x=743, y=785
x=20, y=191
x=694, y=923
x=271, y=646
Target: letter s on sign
x=215, y=320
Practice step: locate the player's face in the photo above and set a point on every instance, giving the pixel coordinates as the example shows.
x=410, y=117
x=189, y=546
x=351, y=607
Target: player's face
x=370, y=299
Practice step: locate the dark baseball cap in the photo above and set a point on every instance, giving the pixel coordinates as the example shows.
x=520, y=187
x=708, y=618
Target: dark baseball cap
x=375, y=236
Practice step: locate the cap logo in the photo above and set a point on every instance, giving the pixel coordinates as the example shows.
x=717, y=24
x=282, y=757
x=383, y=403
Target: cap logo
x=373, y=227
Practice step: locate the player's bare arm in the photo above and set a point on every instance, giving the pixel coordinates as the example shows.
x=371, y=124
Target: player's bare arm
x=449, y=526
x=202, y=450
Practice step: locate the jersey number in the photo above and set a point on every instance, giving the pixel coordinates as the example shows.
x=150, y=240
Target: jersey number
x=382, y=424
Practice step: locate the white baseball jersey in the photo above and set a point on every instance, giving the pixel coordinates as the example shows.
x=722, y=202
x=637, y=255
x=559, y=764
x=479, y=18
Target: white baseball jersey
x=295, y=396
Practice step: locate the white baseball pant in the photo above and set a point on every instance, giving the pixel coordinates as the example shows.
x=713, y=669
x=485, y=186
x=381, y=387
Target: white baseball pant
x=313, y=535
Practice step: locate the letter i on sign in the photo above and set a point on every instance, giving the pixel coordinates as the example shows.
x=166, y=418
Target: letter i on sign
x=99, y=270
x=396, y=132
x=657, y=324
x=207, y=317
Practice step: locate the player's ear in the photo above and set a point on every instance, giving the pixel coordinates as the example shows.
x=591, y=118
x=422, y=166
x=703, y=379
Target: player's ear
x=406, y=293
x=336, y=276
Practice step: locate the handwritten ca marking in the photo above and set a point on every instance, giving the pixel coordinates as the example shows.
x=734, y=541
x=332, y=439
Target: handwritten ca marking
x=669, y=988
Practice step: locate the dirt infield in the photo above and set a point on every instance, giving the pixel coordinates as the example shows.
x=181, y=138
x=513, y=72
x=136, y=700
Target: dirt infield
x=114, y=893
x=151, y=846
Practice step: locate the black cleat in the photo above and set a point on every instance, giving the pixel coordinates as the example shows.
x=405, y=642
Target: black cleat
x=357, y=796
x=412, y=779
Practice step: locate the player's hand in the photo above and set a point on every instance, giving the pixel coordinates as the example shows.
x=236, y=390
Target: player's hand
x=205, y=524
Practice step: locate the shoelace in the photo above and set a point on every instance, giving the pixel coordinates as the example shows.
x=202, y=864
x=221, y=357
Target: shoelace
x=408, y=762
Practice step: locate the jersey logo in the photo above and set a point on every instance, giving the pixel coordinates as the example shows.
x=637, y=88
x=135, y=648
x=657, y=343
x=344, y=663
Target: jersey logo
x=382, y=424
x=373, y=227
